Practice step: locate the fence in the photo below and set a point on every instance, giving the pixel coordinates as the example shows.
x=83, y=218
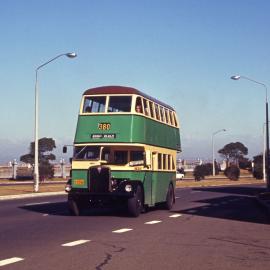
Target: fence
x=24, y=171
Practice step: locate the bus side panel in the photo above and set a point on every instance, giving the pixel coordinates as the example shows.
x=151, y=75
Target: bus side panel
x=161, y=181
x=126, y=129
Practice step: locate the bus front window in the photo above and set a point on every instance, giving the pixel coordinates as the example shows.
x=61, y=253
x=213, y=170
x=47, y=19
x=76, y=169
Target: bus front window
x=136, y=155
x=86, y=152
x=94, y=104
x=119, y=104
x=120, y=157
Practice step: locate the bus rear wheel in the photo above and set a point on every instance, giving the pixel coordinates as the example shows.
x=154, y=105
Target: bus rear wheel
x=135, y=204
x=169, y=198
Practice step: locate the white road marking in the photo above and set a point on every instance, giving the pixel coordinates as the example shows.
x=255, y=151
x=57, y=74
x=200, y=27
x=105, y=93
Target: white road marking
x=10, y=260
x=122, y=230
x=75, y=243
x=153, y=222
x=45, y=215
x=175, y=216
x=32, y=204
x=177, y=197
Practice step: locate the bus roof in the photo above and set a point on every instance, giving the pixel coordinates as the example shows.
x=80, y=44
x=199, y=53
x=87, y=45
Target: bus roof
x=108, y=90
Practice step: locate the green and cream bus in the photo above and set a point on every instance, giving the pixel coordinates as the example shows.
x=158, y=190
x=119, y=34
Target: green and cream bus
x=124, y=151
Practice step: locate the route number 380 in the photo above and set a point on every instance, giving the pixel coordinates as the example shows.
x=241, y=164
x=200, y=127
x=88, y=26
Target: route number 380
x=104, y=126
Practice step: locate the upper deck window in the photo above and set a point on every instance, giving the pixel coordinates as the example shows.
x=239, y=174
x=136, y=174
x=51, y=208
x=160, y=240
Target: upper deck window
x=151, y=109
x=94, y=104
x=119, y=104
x=146, y=107
x=157, y=112
x=138, y=105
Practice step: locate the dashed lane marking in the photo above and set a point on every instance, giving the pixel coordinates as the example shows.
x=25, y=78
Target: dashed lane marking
x=153, y=222
x=177, y=197
x=122, y=230
x=75, y=243
x=10, y=261
x=175, y=216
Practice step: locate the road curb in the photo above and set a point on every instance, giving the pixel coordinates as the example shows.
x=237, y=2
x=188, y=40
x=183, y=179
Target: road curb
x=215, y=185
x=31, y=195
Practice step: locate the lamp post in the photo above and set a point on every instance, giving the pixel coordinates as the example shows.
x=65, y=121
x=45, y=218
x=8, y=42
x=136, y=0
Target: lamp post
x=238, y=77
x=213, y=149
x=36, y=172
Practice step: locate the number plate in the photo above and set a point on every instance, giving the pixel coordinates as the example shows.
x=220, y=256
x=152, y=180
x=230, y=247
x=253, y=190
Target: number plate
x=79, y=182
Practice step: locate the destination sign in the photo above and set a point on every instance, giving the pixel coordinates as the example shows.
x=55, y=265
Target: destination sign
x=103, y=136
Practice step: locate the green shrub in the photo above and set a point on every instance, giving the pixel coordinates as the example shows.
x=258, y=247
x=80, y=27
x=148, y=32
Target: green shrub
x=232, y=172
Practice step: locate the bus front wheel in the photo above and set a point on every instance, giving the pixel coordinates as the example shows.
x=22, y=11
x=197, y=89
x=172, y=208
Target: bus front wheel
x=135, y=204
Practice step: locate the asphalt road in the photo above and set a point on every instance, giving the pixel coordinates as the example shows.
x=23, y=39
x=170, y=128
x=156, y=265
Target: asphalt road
x=208, y=228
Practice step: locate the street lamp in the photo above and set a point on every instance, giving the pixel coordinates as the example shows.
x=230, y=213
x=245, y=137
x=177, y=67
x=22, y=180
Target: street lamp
x=36, y=172
x=237, y=77
x=213, y=149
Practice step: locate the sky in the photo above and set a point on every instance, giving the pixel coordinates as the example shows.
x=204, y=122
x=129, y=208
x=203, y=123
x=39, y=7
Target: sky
x=182, y=52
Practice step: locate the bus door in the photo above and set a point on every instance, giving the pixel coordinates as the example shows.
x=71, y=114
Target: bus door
x=148, y=181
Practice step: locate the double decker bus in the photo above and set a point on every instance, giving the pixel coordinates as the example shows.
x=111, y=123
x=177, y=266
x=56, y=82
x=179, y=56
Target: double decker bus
x=125, y=150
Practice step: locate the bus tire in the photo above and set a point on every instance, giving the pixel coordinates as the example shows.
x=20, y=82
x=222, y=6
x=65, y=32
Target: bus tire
x=169, y=198
x=135, y=204
x=73, y=207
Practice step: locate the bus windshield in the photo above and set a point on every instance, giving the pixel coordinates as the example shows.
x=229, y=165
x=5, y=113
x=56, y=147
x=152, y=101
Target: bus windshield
x=111, y=155
x=86, y=152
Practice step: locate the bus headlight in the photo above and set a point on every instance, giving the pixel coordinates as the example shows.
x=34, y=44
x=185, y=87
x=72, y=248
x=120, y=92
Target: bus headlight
x=128, y=188
x=68, y=188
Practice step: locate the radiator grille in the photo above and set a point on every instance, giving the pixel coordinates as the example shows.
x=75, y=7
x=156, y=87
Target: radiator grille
x=99, y=179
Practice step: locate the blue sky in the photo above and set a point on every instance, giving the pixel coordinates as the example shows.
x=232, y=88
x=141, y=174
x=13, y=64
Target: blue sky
x=182, y=52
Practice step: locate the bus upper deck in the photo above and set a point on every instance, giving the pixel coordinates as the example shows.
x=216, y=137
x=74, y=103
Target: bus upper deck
x=116, y=114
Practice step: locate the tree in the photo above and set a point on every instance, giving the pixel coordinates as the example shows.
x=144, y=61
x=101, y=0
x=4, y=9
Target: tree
x=45, y=147
x=244, y=163
x=233, y=152
x=200, y=171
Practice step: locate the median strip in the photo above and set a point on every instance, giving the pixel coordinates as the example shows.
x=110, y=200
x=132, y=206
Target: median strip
x=10, y=261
